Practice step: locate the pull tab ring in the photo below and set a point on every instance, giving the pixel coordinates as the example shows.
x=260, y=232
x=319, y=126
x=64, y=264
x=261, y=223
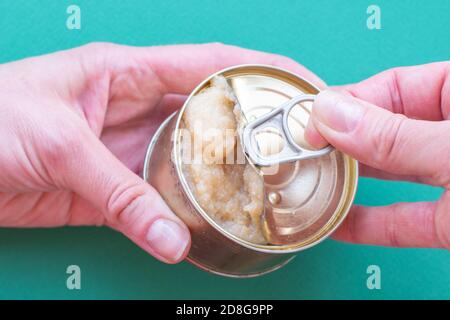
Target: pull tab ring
x=278, y=119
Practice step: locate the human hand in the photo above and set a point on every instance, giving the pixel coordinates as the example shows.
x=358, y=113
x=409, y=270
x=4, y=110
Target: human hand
x=407, y=139
x=74, y=127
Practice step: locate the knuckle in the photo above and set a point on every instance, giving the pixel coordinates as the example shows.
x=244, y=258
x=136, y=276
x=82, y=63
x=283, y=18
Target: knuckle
x=217, y=45
x=352, y=227
x=442, y=177
x=426, y=216
x=96, y=54
x=123, y=201
x=442, y=174
x=392, y=234
x=281, y=61
x=386, y=139
x=220, y=51
x=217, y=48
x=442, y=221
x=395, y=89
x=60, y=147
x=98, y=46
x=443, y=235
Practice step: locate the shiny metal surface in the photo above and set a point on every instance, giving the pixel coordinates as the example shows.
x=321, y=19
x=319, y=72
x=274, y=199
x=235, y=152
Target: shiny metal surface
x=276, y=122
x=305, y=200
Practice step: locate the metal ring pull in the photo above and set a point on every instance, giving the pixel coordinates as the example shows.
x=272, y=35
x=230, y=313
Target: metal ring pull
x=278, y=119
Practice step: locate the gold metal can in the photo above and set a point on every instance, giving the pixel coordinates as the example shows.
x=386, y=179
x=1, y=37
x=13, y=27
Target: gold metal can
x=308, y=198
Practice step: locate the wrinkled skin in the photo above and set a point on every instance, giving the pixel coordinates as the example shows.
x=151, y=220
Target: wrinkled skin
x=397, y=124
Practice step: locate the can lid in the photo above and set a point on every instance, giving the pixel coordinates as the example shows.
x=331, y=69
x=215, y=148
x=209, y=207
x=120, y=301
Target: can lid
x=304, y=190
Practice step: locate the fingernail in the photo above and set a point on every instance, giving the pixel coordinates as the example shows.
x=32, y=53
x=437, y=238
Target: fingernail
x=168, y=239
x=337, y=111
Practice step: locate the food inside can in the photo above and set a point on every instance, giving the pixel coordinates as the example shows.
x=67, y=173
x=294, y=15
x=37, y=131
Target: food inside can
x=225, y=185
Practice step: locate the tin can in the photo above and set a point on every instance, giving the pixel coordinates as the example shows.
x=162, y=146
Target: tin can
x=312, y=197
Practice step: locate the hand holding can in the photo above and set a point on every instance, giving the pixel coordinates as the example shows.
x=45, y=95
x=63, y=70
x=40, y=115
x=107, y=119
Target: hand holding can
x=397, y=124
x=74, y=126
x=73, y=139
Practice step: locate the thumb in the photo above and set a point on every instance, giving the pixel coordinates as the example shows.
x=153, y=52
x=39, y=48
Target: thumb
x=129, y=204
x=379, y=138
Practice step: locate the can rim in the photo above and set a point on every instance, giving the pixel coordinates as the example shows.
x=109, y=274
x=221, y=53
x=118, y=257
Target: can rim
x=274, y=249
x=240, y=275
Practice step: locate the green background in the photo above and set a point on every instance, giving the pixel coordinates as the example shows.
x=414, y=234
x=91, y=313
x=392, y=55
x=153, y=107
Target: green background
x=330, y=38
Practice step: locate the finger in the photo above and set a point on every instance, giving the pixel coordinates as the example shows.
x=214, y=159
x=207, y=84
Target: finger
x=367, y=171
x=421, y=92
x=398, y=225
x=381, y=139
x=180, y=68
x=129, y=204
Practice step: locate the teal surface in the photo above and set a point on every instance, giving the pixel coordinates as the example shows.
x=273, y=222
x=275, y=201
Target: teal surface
x=329, y=37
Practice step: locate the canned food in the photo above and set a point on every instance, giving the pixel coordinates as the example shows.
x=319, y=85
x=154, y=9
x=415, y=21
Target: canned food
x=246, y=219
